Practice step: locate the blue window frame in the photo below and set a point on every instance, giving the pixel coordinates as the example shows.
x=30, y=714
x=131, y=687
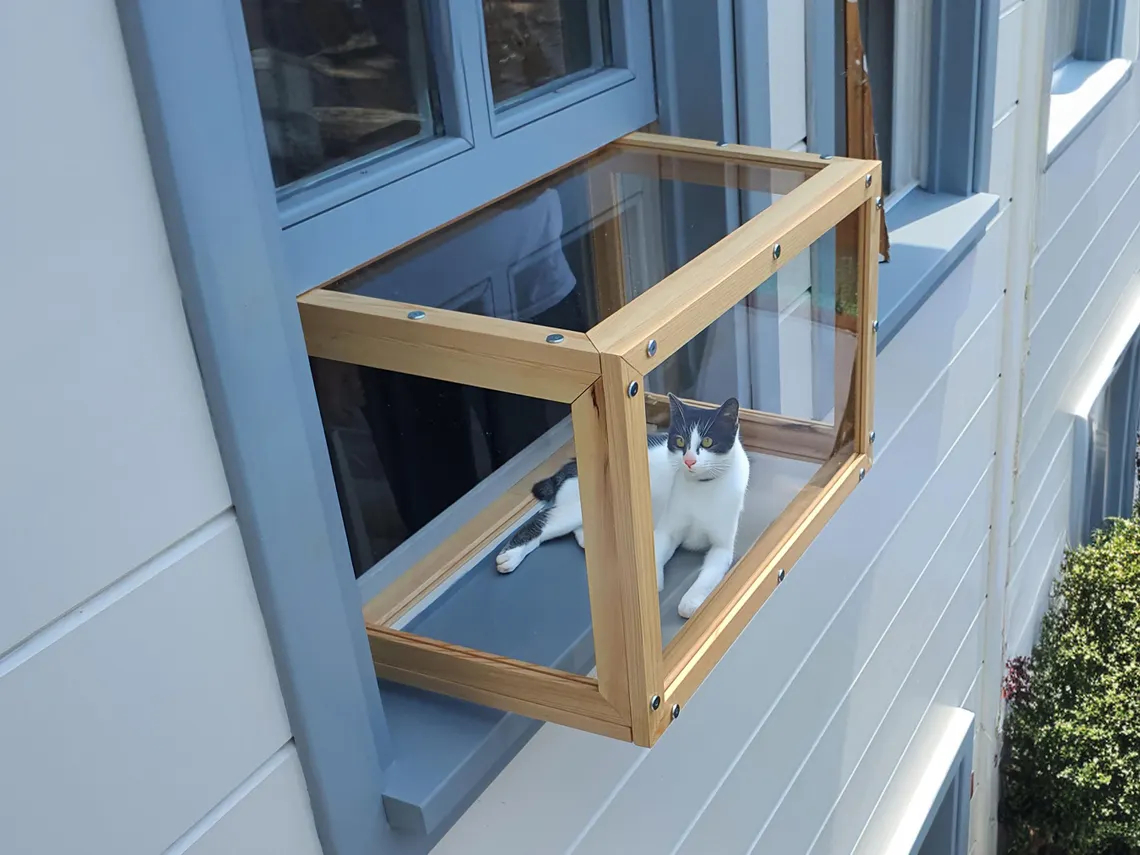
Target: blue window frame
x=243, y=250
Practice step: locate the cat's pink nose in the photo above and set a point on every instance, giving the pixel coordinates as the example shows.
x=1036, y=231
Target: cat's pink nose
x=690, y=461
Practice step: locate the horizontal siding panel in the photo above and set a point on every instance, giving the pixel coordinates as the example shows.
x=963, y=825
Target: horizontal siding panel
x=112, y=457
x=1038, y=565
x=1008, y=72
x=1061, y=256
x=943, y=668
x=1002, y=156
x=1048, y=470
x=866, y=647
x=1023, y=627
x=136, y=720
x=1075, y=170
x=269, y=815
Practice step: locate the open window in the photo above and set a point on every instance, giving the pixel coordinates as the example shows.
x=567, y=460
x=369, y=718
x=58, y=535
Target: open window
x=459, y=370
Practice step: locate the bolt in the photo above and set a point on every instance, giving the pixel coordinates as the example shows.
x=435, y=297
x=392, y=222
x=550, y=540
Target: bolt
x=879, y=202
x=632, y=389
x=867, y=180
x=655, y=702
x=721, y=144
x=676, y=711
x=875, y=327
x=780, y=576
x=826, y=156
x=651, y=348
x=872, y=436
x=862, y=474
x=556, y=338
x=776, y=251
x=416, y=315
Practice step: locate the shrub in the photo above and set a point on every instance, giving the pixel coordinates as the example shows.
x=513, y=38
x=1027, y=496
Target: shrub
x=1071, y=762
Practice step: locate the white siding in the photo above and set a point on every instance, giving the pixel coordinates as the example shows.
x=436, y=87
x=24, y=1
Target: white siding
x=137, y=688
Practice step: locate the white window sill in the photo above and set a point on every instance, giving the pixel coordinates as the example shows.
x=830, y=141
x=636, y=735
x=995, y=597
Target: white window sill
x=1080, y=90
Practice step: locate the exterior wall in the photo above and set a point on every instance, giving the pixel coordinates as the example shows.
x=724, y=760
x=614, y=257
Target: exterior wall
x=139, y=706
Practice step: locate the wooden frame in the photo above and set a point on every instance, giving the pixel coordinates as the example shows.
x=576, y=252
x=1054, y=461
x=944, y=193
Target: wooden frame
x=639, y=685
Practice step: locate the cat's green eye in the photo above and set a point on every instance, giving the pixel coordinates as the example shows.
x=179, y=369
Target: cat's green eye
x=706, y=443
x=679, y=442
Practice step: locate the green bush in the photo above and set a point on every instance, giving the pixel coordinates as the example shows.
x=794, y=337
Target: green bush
x=1071, y=753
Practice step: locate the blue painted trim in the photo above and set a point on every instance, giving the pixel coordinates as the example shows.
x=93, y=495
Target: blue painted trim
x=987, y=85
x=955, y=75
x=954, y=794
x=1099, y=30
x=930, y=234
x=218, y=203
x=1092, y=110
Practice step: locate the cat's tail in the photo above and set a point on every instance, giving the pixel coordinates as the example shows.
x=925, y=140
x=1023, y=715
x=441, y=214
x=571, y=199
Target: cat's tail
x=546, y=489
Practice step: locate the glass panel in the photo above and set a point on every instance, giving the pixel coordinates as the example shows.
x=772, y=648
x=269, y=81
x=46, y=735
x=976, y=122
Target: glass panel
x=786, y=354
x=339, y=79
x=532, y=44
x=589, y=238
x=437, y=476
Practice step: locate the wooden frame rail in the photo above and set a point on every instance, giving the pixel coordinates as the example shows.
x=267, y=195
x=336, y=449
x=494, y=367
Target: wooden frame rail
x=601, y=373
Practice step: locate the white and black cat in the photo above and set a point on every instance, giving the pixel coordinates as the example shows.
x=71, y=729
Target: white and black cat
x=698, y=473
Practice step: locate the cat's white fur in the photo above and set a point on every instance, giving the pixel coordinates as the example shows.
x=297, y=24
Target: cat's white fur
x=698, y=509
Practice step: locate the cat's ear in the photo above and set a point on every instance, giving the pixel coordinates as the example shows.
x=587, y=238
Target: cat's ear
x=676, y=409
x=729, y=411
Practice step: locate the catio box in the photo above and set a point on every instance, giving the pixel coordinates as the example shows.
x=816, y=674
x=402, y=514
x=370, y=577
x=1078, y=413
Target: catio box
x=456, y=371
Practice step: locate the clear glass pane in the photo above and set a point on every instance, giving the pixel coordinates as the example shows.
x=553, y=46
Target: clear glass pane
x=532, y=44
x=588, y=239
x=786, y=355
x=436, y=479
x=340, y=79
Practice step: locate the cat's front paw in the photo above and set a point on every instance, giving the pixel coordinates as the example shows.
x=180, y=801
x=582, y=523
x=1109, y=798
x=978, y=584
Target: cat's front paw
x=580, y=537
x=507, y=560
x=691, y=602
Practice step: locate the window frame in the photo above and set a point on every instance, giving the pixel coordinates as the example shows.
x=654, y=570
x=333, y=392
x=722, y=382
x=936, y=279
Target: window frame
x=237, y=267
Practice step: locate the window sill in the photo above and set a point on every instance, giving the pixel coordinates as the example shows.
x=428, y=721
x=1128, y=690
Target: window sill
x=1080, y=91
x=930, y=233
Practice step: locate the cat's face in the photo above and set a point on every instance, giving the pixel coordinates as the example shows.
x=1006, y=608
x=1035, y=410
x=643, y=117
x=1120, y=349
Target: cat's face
x=700, y=440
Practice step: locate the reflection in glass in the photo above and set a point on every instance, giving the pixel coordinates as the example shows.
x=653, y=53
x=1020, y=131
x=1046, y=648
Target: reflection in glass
x=339, y=79
x=532, y=43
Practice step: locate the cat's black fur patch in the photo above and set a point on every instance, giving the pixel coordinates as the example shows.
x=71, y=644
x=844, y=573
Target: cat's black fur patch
x=530, y=530
x=720, y=425
x=546, y=489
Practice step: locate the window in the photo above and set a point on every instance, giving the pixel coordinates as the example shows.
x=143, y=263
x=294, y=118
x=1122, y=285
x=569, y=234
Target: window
x=1084, y=43
x=473, y=364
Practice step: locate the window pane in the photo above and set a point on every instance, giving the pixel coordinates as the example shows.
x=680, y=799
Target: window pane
x=533, y=43
x=597, y=234
x=339, y=79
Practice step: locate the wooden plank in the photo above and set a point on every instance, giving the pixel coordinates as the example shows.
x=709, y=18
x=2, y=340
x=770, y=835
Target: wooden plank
x=616, y=481
x=730, y=151
x=708, y=634
x=691, y=298
x=765, y=433
x=495, y=681
x=870, y=219
x=485, y=528
x=490, y=353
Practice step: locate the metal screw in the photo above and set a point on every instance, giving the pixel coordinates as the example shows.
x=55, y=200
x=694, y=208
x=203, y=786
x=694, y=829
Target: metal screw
x=632, y=389
x=826, y=156
x=655, y=702
x=556, y=338
x=651, y=348
x=776, y=251
x=721, y=144
x=676, y=711
x=879, y=202
x=875, y=327
x=862, y=474
x=872, y=436
x=416, y=315
x=867, y=180
x=780, y=576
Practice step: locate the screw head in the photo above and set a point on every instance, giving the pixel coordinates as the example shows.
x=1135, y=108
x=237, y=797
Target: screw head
x=867, y=180
x=875, y=326
x=676, y=711
x=872, y=437
x=879, y=202
x=776, y=251
x=651, y=348
x=416, y=315
x=655, y=702
x=633, y=387
x=862, y=474
x=780, y=576
x=721, y=144
x=556, y=338
x=826, y=156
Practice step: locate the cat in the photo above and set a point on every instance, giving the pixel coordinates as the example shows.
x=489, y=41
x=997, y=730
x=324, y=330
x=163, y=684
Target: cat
x=698, y=474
